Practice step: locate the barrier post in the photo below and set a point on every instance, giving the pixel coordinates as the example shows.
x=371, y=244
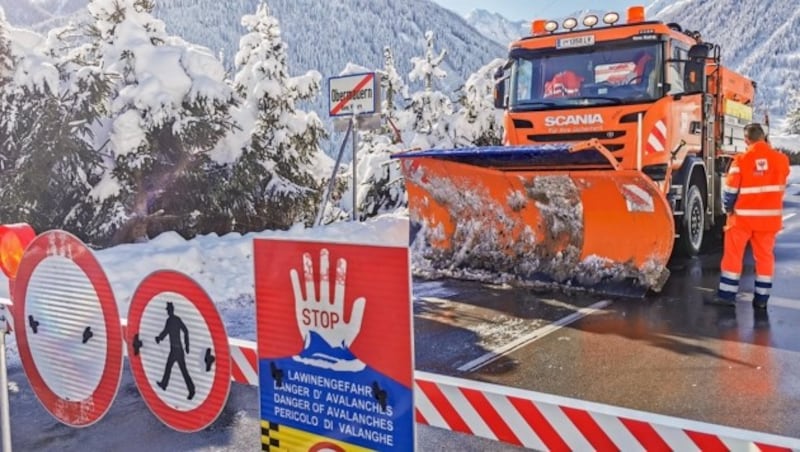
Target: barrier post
x=5, y=413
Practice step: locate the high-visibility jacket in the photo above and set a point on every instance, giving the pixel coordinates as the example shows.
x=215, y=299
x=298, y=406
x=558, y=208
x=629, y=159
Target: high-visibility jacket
x=563, y=84
x=754, y=187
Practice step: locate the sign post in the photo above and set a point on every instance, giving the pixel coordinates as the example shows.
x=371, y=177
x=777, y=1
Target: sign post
x=357, y=97
x=335, y=363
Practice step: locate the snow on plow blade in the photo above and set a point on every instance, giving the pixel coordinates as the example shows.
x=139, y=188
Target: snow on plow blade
x=539, y=213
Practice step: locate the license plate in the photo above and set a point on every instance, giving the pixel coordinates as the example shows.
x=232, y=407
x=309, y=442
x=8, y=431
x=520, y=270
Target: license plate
x=578, y=41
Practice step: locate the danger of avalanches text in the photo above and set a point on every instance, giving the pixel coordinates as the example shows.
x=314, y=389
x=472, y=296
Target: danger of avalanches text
x=338, y=405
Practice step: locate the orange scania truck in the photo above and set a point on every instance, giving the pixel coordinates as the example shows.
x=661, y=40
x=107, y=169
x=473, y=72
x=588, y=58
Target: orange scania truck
x=616, y=134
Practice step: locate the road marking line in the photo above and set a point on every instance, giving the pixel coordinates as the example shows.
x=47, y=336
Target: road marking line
x=499, y=352
x=786, y=217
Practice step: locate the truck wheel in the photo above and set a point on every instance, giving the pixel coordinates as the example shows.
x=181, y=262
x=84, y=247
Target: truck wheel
x=692, y=227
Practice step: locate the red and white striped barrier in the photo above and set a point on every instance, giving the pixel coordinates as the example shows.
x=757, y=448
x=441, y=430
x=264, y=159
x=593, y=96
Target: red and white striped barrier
x=244, y=361
x=546, y=422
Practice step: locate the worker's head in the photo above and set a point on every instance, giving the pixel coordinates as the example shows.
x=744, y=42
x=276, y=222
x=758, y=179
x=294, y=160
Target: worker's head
x=170, y=308
x=754, y=133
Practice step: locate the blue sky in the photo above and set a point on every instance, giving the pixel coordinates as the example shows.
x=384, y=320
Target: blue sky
x=527, y=9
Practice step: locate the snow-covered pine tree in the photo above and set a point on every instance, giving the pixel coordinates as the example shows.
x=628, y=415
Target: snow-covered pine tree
x=273, y=184
x=6, y=113
x=792, y=124
x=431, y=109
x=393, y=89
x=381, y=186
x=6, y=62
x=169, y=108
x=48, y=109
x=478, y=122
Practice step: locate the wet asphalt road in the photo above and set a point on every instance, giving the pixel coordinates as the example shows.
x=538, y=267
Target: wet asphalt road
x=668, y=353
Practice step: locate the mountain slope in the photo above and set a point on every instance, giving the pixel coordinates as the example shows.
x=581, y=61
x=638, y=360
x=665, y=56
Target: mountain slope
x=496, y=27
x=760, y=38
x=327, y=34
x=503, y=31
x=23, y=12
x=323, y=35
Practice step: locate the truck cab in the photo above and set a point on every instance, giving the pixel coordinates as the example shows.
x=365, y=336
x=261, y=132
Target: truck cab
x=654, y=95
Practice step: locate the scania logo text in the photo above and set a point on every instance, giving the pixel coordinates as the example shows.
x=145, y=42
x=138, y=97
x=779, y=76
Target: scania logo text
x=573, y=120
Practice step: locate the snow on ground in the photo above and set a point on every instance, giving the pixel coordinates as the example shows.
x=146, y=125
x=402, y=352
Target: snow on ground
x=788, y=142
x=223, y=266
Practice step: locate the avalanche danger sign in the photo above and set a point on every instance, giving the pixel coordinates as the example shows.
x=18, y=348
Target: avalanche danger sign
x=335, y=346
x=353, y=94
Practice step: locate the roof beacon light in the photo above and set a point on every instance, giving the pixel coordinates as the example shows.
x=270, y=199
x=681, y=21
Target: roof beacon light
x=590, y=20
x=610, y=18
x=551, y=26
x=570, y=23
x=537, y=27
x=635, y=14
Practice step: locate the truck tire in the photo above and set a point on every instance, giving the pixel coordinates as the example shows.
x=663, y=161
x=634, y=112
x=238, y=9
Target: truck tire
x=692, y=226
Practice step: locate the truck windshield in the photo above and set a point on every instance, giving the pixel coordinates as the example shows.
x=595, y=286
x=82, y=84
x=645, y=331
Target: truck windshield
x=603, y=74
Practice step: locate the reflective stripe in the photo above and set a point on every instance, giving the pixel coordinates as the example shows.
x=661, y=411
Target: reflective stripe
x=732, y=190
x=765, y=279
x=758, y=213
x=762, y=189
x=762, y=290
x=733, y=170
x=653, y=141
x=728, y=287
x=731, y=275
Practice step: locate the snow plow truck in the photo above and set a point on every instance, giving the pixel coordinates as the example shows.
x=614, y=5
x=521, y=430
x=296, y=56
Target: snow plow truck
x=616, y=135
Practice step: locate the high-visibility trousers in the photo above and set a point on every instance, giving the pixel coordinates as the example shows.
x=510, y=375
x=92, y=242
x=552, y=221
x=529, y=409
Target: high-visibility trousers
x=763, y=245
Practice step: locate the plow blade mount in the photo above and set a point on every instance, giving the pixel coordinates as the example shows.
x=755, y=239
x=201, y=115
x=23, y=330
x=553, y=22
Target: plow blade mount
x=538, y=214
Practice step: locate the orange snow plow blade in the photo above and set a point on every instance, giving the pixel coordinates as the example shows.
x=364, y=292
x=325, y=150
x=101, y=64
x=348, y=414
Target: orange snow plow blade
x=545, y=214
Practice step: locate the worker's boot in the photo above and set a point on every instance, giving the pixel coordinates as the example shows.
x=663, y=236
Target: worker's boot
x=760, y=303
x=719, y=301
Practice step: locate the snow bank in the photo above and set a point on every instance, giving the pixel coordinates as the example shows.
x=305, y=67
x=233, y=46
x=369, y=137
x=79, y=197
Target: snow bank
x=223, y=266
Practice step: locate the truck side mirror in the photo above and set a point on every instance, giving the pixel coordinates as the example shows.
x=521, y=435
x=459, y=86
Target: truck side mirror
x=500, y=88
x=694, y=73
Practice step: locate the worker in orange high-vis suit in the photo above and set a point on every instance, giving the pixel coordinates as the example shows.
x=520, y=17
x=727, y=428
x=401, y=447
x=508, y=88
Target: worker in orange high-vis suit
x=753, y=200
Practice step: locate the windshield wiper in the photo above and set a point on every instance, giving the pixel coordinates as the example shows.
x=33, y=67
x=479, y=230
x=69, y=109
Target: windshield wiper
x=612, y=100
x=536, y=105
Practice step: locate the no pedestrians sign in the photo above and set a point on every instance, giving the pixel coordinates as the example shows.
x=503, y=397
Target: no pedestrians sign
x=178, y=351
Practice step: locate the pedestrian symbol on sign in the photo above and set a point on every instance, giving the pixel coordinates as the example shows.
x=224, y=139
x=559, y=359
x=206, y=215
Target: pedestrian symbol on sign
x=174, y=327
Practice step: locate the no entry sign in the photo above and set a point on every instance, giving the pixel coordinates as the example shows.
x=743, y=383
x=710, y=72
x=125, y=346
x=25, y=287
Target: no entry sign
x=67, y=329
x=334, y=345
x=178, y=351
